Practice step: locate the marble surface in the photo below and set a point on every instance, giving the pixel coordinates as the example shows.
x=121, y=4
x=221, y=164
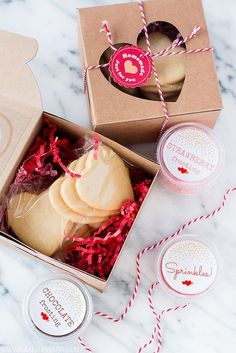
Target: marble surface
x=209, y=324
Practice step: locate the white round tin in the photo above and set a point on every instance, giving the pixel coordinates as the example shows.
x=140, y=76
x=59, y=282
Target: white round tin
x=187, y=266
x=191, y=158
x=58, y=307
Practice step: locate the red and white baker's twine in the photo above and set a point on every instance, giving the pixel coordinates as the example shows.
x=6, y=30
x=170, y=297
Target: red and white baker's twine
x=105, y=28
x=164, y=105
x=162, y=53
x=157, y=329
x=166, y=52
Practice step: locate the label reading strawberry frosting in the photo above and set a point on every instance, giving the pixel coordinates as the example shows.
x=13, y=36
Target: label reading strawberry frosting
x=191, y=154
x=130, y=67
x=189, y=267
x=57, y=307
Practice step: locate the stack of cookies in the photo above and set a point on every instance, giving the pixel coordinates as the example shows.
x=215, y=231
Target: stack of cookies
x=170, y=69
x=72, y=205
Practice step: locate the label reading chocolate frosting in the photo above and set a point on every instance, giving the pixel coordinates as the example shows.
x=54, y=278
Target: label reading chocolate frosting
x=5, y=133
x=191, y=154
x=57, y=307
x=189, y=267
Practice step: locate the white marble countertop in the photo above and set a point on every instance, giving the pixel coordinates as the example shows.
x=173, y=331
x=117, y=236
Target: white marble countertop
x=209, y=324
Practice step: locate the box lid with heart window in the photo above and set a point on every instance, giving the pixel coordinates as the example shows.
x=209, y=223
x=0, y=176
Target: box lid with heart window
x=131, y=114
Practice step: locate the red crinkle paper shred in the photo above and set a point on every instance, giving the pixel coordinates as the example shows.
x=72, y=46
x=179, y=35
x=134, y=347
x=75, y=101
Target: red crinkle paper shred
x=98, y=253
x=45, y=160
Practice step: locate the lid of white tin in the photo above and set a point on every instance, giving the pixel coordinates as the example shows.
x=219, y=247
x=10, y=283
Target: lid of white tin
x=191, y=157
x=187, y=266
x=58, y=307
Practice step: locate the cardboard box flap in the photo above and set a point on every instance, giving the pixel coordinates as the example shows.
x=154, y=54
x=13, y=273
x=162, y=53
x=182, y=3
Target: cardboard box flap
x=20, y=100
x=17, y=80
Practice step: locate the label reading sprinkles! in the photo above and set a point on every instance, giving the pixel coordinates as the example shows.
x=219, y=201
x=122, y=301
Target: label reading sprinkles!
x=189, y=267
x=190, y=154
x=57, y=307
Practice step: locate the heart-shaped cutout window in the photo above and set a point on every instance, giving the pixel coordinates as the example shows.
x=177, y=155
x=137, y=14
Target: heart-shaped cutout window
x=171, y=69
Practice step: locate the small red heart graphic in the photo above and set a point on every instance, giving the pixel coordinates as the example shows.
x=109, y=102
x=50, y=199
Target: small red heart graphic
x=187, y=283
x=44, y=316
x=130, y=68
x=183, y=170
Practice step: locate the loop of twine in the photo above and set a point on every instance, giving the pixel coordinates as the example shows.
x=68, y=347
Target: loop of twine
x=157, y=328
x=105, y=28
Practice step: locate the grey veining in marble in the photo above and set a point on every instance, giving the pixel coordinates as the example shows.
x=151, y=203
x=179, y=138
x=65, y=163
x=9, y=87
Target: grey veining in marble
x=209, y=324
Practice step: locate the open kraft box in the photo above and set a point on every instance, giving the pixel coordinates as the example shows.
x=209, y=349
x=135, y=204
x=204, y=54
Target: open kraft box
x=129, y=119
x=21, y=117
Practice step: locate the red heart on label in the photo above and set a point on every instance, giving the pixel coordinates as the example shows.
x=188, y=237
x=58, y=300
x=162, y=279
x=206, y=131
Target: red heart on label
x=130, y=68
x=44, y=316
x=187, y=283
x=183, y=170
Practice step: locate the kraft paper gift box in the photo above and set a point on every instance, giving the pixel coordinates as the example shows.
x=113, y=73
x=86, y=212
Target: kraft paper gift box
x=21, y=117
x=129, y=119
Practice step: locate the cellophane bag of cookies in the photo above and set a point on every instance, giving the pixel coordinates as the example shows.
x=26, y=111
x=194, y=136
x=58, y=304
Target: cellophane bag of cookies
x=74, y=200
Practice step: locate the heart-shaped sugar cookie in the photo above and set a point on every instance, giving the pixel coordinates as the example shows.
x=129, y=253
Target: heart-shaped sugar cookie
x=105, y=182
x=74, y=202
x=71, y=197
x=61, y=207
x=35, y=222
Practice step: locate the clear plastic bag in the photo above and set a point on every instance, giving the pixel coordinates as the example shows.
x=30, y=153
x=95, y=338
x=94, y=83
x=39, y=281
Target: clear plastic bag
x=72, y=200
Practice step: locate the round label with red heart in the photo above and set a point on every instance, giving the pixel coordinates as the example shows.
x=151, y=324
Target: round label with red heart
x=188, y=266
x=191, y=154
x=58, y=307
x=130, y=67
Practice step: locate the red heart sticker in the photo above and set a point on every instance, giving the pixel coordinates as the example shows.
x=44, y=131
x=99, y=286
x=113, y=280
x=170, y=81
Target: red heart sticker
x=130, y=67
x=44, y=316
x=183, y=170
x=187, y=283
